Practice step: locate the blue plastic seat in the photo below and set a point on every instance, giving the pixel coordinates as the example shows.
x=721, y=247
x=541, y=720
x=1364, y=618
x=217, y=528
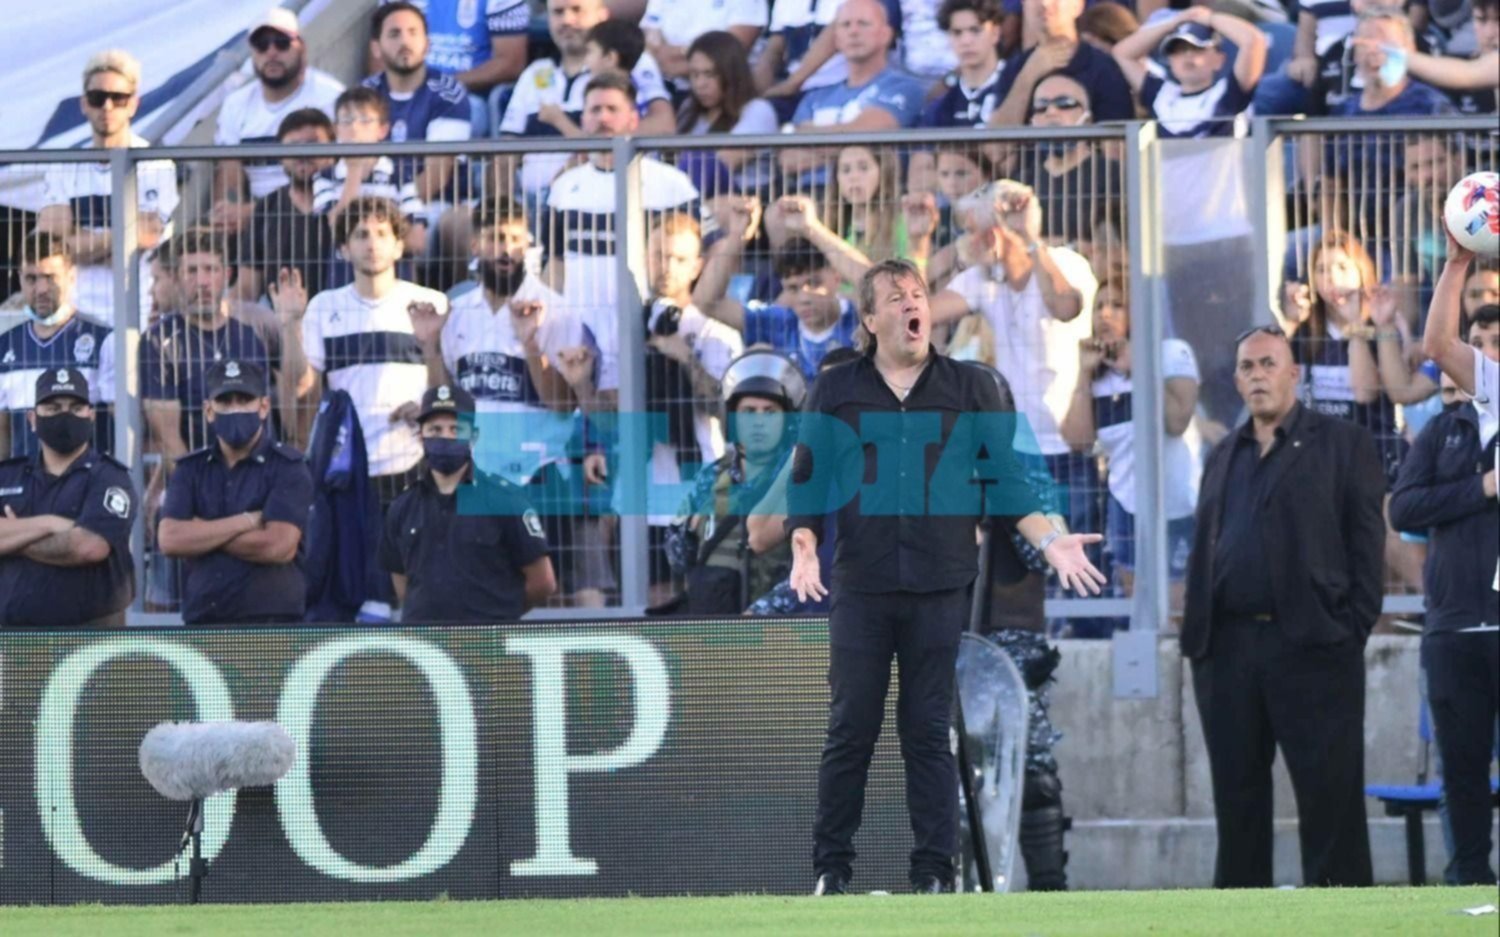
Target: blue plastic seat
x=1411, y=801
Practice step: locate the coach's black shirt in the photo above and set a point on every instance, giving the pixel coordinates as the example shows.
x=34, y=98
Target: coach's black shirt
x=910, y=527
x=1242, y=570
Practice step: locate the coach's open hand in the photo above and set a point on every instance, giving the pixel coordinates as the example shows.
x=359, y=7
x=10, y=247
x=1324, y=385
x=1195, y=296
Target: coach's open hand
x=1074, y=571
x=807, y=578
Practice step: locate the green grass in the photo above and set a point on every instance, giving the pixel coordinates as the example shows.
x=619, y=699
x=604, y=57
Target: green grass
x=1303, y=913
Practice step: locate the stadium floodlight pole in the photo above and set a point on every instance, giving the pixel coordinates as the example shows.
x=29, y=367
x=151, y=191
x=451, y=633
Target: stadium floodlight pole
x=630, y=275
x=1133, y=652
x=127, y=335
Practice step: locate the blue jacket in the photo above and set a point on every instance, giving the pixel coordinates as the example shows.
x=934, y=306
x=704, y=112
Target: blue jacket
x=343, y=532
x=1441, y=489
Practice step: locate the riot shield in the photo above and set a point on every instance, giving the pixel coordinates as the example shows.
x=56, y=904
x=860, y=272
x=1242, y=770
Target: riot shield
x=992, y=697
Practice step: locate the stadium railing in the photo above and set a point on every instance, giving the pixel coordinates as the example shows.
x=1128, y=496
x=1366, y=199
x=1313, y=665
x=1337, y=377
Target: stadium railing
x=1196, y=229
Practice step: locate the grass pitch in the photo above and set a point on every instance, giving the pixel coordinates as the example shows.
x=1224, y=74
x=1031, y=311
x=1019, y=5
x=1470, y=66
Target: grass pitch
x=1304, y=913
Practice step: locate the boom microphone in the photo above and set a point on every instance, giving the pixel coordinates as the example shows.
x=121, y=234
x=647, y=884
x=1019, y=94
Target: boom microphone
x=194, y=760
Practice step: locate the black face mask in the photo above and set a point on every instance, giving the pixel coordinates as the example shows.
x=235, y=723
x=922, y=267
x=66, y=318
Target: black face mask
x=236, y=429
x=502, y=279
x=64, y=432
x=446, y=456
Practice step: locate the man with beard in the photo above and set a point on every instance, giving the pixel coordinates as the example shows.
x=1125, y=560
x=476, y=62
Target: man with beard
x=482, y=50
x=55, y=336
x=425, y=104
x=500, y=343
x=253, y=113
x=550, y=88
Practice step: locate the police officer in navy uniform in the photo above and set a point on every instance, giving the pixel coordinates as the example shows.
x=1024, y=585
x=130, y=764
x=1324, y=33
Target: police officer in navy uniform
x=462, y=545
x=65, y=516
x=236, y=510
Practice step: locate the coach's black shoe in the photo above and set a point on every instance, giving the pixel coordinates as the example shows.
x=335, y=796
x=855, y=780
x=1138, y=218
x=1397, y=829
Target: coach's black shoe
x=830, y=884
x=931, y=885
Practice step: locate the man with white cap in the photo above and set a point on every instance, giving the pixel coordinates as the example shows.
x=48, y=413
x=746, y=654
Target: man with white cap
x=253, y=113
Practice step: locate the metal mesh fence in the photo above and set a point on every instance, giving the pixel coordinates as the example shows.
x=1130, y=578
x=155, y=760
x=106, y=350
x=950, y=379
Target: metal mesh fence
x=379, y=272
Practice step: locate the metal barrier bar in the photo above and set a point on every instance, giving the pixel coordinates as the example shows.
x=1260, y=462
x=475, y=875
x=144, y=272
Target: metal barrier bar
x=127, y=338
x=630, y=269
x=1136, y=677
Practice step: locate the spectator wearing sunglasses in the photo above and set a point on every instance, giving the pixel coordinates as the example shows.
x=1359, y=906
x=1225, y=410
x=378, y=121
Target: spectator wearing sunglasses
x=1072, y=178
x=77, y=196
x=1193, y=96
x=253, y=113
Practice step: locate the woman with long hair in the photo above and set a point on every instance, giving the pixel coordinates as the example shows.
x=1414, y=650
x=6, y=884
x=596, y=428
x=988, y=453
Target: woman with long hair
x=1334, y=347
x=868, y=186
x=722, y=96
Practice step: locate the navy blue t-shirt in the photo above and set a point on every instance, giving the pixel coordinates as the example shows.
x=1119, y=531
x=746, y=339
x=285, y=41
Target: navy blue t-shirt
x=175, y=358
x=961, y=107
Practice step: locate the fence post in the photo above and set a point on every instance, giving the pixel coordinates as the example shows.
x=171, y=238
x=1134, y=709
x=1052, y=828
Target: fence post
x=127, y=338
x=630, y=276
x=1265, y=184
x=1134, y=651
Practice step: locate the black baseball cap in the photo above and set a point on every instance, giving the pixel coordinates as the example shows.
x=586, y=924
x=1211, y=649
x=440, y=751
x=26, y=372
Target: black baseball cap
x=446, y=398
x=62, y=382
x=235, y=377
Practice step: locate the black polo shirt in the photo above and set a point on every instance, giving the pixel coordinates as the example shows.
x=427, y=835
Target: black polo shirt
x=1242, y=571
x=220, y=588
x=910, y=525
x=97, y=493
x=462, y=554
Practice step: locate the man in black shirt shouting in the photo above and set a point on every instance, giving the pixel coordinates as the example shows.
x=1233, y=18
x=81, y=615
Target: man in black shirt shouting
x=906, y=556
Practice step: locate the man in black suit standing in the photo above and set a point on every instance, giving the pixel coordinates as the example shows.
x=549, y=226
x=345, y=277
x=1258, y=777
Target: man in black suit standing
x=1284, y=585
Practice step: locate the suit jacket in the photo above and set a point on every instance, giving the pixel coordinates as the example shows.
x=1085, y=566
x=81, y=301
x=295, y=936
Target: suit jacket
x=1322, y=530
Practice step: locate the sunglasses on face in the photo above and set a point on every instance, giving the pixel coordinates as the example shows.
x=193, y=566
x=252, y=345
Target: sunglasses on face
x=96, y=99
x=1063, y=102
x=263, y=41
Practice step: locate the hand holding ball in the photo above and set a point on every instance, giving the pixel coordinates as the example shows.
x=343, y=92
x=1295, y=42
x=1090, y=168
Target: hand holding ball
x=1472, y=213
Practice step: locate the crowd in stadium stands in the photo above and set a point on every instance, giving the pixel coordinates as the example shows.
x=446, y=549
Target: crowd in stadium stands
x=360, y=287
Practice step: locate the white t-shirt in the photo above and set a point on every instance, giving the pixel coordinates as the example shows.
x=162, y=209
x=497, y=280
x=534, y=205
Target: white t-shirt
x=86, y=188
x=544, y=82
x=582, y=203
x=682, y=21
x=925, y=49
x=1115, y=426
x=798, y=21
x=758, y=117
x=1037, y=353
x=245, y=117
x=484, y=357
x=366, y=348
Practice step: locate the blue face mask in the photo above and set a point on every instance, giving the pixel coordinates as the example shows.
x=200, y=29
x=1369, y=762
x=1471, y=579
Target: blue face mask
x=1393, y=69
x=237, y=430
x=57, y=318
x=446, y=456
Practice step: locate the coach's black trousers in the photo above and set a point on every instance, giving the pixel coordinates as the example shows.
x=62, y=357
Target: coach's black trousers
x=1256, y=691
x=1463, y=673
x=866, y=631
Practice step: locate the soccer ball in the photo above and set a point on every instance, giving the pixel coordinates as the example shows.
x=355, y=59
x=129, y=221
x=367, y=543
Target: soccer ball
x=1473, y=213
